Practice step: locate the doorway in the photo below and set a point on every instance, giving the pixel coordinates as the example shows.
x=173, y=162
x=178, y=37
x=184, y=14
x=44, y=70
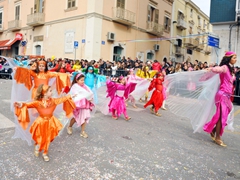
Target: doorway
x=117, y=52
x=38, y=50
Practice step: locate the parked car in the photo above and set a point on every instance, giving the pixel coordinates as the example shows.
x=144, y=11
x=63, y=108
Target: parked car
x=6, y=71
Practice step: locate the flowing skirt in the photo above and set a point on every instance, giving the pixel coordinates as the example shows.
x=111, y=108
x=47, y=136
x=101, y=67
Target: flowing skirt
x=44, y=130
x=117, y=105
x=223, y=108
x=156, y=100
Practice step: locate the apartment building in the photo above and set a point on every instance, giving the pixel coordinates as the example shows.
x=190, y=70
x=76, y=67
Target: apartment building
x=190, y=27
x=225, y=18
x=108, y=29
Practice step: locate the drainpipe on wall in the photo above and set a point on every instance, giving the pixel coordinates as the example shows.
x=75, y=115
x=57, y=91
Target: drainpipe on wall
x=230, y=34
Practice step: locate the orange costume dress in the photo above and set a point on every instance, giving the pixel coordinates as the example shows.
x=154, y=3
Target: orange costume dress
x=25, y=76
x=46, y=127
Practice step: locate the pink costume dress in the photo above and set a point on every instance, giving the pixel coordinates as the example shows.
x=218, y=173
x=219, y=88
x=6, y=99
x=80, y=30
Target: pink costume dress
x=222, y=99
x=82, y=102
x=118, y=93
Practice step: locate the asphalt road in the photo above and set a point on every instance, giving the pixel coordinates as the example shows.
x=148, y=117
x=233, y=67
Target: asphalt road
x=147, y=147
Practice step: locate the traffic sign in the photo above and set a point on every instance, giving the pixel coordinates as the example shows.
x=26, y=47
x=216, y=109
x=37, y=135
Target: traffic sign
x=213, y=41
x=75, y=44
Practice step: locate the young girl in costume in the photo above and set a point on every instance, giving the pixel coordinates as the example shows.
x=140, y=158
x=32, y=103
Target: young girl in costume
x=46, y=127
x=93, y=81
x=118, y=92
x=83, y=102
x=157, y=96
x=146, y=74
x=40, y=76
x=25, y=80
x=222, y=98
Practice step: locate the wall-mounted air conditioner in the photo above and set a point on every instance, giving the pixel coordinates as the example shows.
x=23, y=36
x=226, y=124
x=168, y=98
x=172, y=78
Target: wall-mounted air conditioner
x=156, y=47
x=111, y=36
x=175, y=42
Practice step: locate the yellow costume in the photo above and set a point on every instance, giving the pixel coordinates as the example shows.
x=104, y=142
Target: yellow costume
x=76, y=67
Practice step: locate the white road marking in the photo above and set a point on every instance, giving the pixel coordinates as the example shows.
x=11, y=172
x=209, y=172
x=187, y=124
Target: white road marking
x=5, y=122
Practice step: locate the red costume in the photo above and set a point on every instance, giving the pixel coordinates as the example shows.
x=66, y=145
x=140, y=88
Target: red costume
x=62, y=70
x=157, y=96
x=156, y=66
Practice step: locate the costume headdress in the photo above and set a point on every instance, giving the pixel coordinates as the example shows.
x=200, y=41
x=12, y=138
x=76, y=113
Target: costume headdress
x=42, y=62
x=230, y=53
x=78, y=75
x=121, y=77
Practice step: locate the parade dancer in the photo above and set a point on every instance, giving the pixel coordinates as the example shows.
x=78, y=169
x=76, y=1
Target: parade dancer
x=46, y=127
x=222, y=98
x=156, y=99
x=140, y=89
x=146, y=74
x=118, y=92
x=94, y=81
x=40, y=76
x=83, y=102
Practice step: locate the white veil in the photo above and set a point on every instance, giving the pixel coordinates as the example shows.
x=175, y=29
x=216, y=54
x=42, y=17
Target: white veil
x=192, y=95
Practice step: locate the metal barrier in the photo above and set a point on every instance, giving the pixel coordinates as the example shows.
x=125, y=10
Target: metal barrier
x=237, y=92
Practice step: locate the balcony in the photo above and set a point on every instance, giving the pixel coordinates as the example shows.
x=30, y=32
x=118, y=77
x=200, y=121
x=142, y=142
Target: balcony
x=181, y=24
x=14, y=25
x=36, y=19
x=200, y=47
x=191, y=43
x=155, y=28
x=208, y=50
x=179, y=51
x=1, y=28
x=123, y=16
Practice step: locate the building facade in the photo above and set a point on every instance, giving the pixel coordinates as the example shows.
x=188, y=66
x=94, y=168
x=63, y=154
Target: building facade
x=225, y=18
x=108, y=29
x=190, y=28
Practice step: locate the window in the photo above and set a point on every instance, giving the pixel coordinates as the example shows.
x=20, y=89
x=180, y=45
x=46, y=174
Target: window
x=38, y=6
x=191, y=13
x=121, y=4
x=153, y=14
x=1, y=18
x=71, y=3
x=204, y=24
x=150, y=55
x=167, y=23
x=180, y=15
x=38, y=50
x=199, y=21
x=189, y=51
x=190, y=30
x=17, y=12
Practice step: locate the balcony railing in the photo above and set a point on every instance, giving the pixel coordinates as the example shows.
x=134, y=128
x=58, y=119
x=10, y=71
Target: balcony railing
x=208, y=50
x=191, y=42
x=14, y=25
x=200, y=46
x=123, y=16
x=155, y=28
x=36, y=19
x=181, y=24
x=179, y=51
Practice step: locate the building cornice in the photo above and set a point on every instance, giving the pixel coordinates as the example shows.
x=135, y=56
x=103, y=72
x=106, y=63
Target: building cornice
x=192, y=4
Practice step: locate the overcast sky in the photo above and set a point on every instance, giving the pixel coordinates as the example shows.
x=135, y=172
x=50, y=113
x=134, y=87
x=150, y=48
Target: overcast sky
x=204, y=5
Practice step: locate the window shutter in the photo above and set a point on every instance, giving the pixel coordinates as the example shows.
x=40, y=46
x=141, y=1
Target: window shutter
x=43, y=6
x=156, y=16
x=149, y=13
x=17, y=12
x=69, y=3
x=121, y=3
x=169, y=24
x=73, y=3
x=35, y=6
